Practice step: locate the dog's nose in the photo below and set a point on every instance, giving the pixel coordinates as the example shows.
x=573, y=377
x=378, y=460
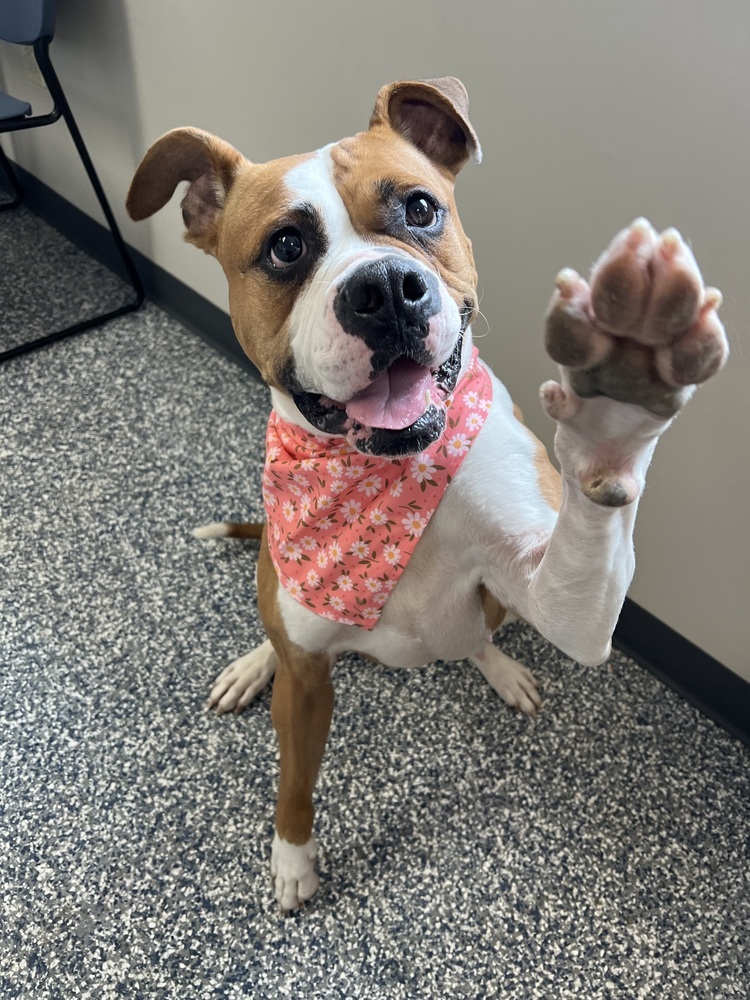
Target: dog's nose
x=388, y=301
x=380, y=287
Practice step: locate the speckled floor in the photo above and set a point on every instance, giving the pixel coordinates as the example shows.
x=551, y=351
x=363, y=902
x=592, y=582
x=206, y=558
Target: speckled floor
x=603, y=852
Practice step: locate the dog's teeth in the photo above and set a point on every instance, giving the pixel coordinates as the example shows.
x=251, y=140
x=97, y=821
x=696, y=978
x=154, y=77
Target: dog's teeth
x=427, y=397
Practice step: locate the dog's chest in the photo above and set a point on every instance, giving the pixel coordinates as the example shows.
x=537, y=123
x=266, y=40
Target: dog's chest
x=342, y=525
x=492, y=511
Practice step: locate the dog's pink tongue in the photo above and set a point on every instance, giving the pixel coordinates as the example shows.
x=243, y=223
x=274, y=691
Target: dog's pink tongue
x=395, y=399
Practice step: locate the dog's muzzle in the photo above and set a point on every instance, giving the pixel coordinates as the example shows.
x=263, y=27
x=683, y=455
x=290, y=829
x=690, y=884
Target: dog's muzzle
x=388, y=304
x=393, y=305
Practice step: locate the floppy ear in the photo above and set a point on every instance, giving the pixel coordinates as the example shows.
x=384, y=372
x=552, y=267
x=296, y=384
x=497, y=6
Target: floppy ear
x=434, y=116
x=187, y=154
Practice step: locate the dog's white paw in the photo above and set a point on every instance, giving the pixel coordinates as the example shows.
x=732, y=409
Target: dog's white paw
x=516, y=685
x=644, y=331
x=243, y=679
x=293, y=872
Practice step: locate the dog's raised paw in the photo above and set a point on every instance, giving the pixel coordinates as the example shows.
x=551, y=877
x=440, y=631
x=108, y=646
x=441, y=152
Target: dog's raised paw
x=643, y=330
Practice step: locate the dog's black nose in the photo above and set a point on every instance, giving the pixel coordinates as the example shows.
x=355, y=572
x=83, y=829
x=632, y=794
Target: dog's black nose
x=388, y=302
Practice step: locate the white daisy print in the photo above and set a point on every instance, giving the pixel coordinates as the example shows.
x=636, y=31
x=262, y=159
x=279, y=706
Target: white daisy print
x=322, y=559
x=377, y=516
x=397, y=489
x=352, y=511
x=370, y=485
x=458, y=444
x=392, y=554
x=372, y=585
x=371, y=614
x=324, y=502
x=422, y=467
x=337, y=486
x=337, y=602
x=334, y=467
x=471, y=398
x=308, y=464
x=290, y=550
x=336, y=553
x=288, y=509
x=308, y=543
x=360, y=548
x=294, y=588
x=345, y=582
x=313, y=578
x=414, y=524
x=474, y=422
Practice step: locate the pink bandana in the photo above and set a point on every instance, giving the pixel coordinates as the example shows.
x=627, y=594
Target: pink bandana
x=342, y=525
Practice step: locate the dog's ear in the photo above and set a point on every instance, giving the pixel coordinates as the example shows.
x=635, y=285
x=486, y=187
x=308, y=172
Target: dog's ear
x=434, y=116
x=187, y=154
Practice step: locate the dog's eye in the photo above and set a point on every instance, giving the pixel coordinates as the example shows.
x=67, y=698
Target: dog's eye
x=287, y=247
x=420, y=212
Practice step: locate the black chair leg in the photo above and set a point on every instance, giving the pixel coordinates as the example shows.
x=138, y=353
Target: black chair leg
x=53, y=85
x=14, y=183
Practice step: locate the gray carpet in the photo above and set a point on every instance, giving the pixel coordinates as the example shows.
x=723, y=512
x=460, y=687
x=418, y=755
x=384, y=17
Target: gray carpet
x=603, y=852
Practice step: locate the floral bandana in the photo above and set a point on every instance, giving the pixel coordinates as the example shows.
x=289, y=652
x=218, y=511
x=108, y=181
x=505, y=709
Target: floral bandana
x=342, y=525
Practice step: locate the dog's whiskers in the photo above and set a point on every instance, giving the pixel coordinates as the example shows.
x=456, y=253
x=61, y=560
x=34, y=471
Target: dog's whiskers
x=487, y=324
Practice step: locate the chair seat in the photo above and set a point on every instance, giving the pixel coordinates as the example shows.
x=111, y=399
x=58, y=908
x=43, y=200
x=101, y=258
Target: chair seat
x=15, y=18
x=10, y=107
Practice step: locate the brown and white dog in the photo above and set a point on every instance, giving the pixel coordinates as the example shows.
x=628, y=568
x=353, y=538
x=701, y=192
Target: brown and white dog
x=348, y=269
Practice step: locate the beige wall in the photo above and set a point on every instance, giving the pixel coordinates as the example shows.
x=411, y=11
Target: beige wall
x=591, y=112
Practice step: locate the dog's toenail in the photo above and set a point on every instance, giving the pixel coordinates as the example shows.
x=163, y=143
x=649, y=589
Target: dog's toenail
x=566, y=281
x=640, y=231
x=670, y=242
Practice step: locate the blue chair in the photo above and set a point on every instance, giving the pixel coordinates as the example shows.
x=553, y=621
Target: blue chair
x=32, y=22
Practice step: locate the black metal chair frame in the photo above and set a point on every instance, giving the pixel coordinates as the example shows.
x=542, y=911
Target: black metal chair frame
x=61, y=109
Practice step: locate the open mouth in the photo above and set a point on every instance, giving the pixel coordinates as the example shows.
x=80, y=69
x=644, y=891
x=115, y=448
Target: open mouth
x=400, y=412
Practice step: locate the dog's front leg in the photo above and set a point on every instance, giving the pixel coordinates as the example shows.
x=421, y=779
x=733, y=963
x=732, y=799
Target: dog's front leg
x=301, y=709
x=574, y=596
x=631, y=346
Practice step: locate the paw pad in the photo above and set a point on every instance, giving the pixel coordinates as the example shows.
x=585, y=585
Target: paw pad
x=644, y=328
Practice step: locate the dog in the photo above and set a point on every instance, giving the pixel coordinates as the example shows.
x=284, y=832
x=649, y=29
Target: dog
x=408, y=506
